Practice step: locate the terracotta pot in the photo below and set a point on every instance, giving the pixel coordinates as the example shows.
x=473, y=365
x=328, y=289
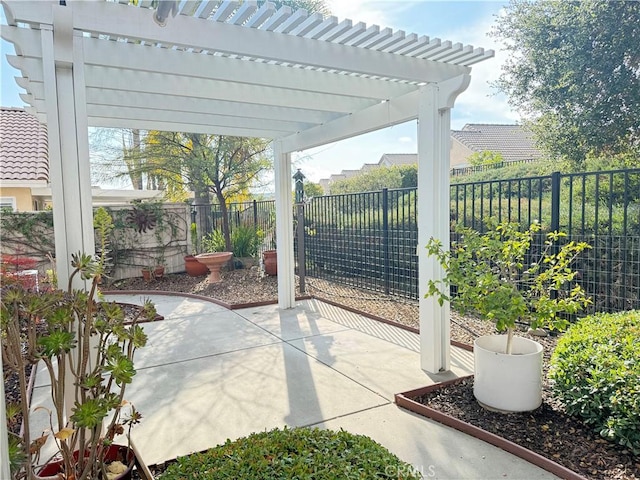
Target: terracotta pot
x=270, y=260
x=146, y=274
x=158, y=273
x=114, y=452
x=193, y=267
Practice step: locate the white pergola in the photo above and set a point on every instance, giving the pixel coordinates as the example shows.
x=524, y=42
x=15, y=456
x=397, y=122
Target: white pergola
x=234, y=68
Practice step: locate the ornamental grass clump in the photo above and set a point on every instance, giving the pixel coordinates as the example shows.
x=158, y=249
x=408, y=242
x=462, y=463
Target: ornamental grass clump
x=294, y=453
x=595, y=373
x=491, y=275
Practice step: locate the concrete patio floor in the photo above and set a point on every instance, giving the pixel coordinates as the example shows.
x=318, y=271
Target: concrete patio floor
x=209, y=374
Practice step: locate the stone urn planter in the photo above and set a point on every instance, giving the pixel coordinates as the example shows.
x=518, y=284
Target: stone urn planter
x=214, y=262
x=193, y=267
x=270, y=261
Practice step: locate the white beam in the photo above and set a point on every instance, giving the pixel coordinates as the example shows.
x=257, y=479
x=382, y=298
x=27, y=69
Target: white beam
x=212, y=119
x=284, y=227
x=393, y=112
x=309, y=24
x=176, y=103
x=180, y=127
x=193, y=65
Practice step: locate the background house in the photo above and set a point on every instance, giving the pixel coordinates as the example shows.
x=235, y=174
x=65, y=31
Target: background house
x=513, y=142
x=24, y=159
x=24, y=167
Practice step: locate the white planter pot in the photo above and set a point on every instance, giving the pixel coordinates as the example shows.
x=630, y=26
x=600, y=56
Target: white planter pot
x=509, y=383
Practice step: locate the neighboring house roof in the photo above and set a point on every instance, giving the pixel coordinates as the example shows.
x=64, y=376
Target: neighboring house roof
x=390, y=159
x=24, y=151
x=514, y=142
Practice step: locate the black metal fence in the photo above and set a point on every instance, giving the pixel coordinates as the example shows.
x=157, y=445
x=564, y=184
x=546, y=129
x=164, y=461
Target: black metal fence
x=459, y=171
x=366, y=240
x=369, y=240
x=600, y=208
x=258, y=214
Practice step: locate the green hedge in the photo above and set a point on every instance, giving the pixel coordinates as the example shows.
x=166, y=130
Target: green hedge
x=293, y=453
x=595, y=370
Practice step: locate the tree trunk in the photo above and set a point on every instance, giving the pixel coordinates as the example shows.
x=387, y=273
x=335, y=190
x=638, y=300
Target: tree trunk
x=136, y=178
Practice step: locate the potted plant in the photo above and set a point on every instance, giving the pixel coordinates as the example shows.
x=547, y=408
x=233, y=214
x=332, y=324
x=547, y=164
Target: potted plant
x=87, y=347
x=191, y=264
x=270, y=262
x=490, y=274
x=147, y=273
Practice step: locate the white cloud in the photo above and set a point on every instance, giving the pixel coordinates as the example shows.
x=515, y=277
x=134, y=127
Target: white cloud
x=481, y=102
x=373, y=12
x=405, y=140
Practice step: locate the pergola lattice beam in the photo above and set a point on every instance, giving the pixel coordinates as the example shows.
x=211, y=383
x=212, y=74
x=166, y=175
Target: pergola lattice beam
x=189, y=32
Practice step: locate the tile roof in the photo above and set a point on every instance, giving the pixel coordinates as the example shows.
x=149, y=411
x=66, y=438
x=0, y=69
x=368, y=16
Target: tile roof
x=512, y=141
x=24, y=151
x=399, y=159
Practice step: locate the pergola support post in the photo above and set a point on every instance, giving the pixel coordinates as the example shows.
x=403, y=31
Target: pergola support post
x=284, y=227
x=68, y=141
x=434, y=125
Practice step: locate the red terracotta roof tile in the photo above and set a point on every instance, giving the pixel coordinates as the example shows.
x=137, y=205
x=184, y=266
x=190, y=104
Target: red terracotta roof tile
x=24, y=151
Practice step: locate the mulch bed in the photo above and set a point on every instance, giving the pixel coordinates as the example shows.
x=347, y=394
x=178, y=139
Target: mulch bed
x=547, y=431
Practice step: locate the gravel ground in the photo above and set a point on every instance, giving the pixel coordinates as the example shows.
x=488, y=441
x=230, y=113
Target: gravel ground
x=250, y=285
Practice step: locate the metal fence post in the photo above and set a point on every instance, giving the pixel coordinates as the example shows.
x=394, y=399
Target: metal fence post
x=299, y=191
x=255, y=214
x=385, y=239
x=555, y=201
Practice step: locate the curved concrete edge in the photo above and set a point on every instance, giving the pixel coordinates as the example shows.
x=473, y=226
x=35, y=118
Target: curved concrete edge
x=228, y=306
x=405, y=400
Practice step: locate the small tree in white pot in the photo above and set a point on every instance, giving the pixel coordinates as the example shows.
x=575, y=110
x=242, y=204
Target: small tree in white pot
x=492, y=279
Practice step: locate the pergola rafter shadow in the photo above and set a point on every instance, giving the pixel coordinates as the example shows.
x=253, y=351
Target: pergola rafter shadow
x=234, y=68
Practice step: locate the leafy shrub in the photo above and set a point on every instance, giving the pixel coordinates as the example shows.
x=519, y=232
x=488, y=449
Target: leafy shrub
x=244, y=241
x=293, y=453
x=213, y=242
x=595, y=370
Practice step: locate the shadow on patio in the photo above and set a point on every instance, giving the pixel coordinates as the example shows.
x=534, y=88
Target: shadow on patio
x=210, y=374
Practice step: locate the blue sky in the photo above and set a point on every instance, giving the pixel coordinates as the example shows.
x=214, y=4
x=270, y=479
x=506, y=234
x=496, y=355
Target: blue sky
x=467, y=22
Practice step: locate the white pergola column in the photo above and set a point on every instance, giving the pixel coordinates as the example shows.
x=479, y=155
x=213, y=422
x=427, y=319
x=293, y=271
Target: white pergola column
x=63, y=71
x=284, y=227
x=434, y=126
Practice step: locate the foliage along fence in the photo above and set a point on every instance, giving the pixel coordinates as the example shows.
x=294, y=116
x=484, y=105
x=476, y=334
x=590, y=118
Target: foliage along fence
x=144, y=235
x=369, y=240
x=260, y=215
x=460, y=171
